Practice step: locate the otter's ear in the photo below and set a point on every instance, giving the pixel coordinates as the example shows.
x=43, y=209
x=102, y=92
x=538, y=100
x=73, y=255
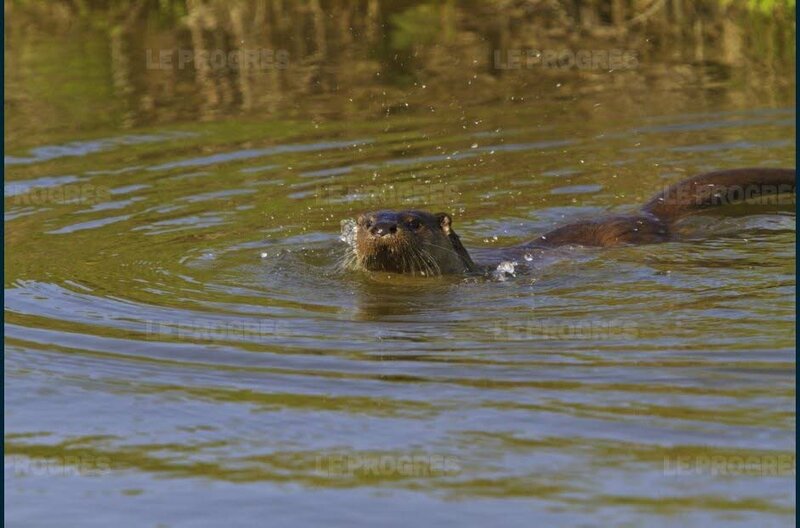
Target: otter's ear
x=444, y=221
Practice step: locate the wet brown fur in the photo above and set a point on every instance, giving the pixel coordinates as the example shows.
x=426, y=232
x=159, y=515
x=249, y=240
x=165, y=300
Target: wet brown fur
x=422, y=243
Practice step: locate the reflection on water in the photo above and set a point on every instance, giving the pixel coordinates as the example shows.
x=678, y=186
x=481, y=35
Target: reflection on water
x=183, y=347
x=190, y=60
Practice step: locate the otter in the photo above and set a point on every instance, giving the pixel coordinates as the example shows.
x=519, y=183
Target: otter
x=422, y=243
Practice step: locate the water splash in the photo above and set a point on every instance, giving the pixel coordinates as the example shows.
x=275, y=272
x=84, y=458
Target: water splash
x=505, y=270
x=348, y=234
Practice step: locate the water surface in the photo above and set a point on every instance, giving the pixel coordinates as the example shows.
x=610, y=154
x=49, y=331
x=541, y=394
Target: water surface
x=182, y=347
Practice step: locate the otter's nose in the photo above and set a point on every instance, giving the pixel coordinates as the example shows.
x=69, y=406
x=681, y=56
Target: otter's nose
x=383, y=228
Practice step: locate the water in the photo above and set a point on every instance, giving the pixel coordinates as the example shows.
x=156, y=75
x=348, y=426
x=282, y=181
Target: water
x=182, y=347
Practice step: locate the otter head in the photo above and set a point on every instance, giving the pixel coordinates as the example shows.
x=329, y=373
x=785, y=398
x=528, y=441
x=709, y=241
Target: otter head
x=414, y=242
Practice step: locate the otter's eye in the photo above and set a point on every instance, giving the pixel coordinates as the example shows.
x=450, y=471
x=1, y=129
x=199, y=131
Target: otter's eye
x=413, y=223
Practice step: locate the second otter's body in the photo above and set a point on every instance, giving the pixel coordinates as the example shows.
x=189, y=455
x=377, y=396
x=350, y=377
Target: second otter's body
x=422, y=243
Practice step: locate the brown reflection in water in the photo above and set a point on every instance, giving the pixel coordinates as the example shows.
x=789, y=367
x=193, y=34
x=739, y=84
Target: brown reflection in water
x=388, y=296
x=370, y=58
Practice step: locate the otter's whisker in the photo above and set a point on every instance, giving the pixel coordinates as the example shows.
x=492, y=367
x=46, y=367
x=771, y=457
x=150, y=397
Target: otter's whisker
x=417, y=261
x=429, y=263
x=433, y=263
x=450, y=250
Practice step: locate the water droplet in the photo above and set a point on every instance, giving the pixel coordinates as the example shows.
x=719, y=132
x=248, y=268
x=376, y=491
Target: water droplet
x=504, y=270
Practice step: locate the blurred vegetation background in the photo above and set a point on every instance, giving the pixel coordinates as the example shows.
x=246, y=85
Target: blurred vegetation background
x=365, y=58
